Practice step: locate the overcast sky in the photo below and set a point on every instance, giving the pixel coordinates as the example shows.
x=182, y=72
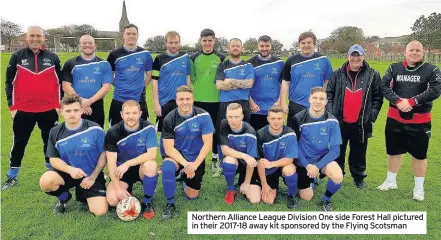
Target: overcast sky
x=281, y=19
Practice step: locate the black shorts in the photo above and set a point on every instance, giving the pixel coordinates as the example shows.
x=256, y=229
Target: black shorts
x=115, y=112
x=304, y=181
x=97, y=113
x=407, y=138
x=293, y=109
x=98, y=189
x=196, y=182
x=258, y=121
x=131, y=177
x=222, y=114
x=165, y=109
x=273, y=179
x=212, y=108
x=241, y=170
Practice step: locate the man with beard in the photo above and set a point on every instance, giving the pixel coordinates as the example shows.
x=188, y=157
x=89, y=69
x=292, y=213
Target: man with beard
x=132, y=66
x=410, y=87
x=234, y=79
x=354, y=98
x=170, y=71
x=33, y=81
x=89, y=77
x=302, y=72
x=130, y=147
x=266, y=87
x=203, y=72
x=186, y=140
x=319, y=137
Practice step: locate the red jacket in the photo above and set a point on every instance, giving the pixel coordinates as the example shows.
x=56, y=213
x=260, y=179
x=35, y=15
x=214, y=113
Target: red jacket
x=33, y=81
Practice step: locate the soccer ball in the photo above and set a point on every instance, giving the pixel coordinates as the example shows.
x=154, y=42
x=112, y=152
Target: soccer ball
x=128, y=209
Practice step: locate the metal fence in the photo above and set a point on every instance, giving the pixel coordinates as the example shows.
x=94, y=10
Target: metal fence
x=432, y=58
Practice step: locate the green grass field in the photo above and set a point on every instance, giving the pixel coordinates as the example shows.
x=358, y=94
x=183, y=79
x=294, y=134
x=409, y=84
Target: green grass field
x=27, y=212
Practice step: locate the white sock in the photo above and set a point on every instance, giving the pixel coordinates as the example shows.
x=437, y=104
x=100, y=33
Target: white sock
x=214, y=155
x=419, y=182
x=392, y=177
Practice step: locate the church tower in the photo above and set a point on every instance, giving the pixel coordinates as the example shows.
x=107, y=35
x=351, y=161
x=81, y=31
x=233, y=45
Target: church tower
x=123, y=21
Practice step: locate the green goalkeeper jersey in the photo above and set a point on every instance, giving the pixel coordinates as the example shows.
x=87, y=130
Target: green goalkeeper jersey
x=203, y=73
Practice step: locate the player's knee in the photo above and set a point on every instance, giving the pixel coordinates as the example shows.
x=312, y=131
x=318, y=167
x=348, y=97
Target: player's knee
x=254, y=199
x=337, y=176
x=150, y=168
x=306, y=194
x=46, y=183
x=112, y=200
x=288, y=170
x=191, y=194
x=230, y=160
x=99, y=211
x=168, y=168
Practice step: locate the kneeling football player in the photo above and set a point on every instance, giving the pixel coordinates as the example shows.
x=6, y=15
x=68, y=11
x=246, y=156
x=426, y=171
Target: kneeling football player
x=75, y=151
x=278, y=148
x=131, y=152
x=239, y=148
x=186, y=140
x=319, y=141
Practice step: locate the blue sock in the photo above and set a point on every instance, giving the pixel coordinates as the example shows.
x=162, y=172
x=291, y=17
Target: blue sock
x=48, y=165
x=291, y=183
x=149, y=185
x=13, y=172
x=331, y=189
x=64, y=196
x=169, y=180
x=220, y=155
x=230, y=173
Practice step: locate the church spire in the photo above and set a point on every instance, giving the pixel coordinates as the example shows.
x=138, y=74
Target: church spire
x=124, y=19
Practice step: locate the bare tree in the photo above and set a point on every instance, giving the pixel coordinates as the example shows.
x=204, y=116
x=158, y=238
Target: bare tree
x=9, y=31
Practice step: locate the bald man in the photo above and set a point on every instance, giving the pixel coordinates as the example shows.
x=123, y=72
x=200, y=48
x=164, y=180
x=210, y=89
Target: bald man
x=90, y=78
x=33, y=93
x=410, y=87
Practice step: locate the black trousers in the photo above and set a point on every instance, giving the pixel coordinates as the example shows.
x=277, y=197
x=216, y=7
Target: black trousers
x=22, y=125
x=357, y=151
x=293, y=109
x=212, y=108
x=258, y=121
x=97, y=113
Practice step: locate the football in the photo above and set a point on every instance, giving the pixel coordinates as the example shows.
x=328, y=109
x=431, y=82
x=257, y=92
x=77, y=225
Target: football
x=128, y=209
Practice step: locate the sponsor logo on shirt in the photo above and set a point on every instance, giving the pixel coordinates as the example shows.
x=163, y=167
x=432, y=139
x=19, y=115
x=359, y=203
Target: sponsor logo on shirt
x=24, y=62
x=178, y=73
x=132, y=69
x=140, y=142
x=309, y=75
x=87, y=80
x=408, y=78
x=85, y=142
x=267, y=77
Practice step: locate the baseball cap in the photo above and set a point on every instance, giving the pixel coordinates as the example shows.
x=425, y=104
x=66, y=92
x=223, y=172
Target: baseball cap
x=356, y=48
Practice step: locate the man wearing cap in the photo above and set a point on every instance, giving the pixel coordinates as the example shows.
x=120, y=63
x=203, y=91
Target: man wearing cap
x=354, y=98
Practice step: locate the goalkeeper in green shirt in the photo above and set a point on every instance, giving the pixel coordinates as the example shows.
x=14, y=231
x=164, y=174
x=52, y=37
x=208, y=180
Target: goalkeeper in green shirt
x=203, y=71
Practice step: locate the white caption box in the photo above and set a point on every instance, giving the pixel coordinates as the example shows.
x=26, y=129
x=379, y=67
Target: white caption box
x=306, y=223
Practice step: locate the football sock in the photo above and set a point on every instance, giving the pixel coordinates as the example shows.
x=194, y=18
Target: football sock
x=419, y=182
x=13, y=172
x=229, y=173
x=169, y=180
x=291, y=183
x=149, y=185
x=392, y=177
x=331, y=189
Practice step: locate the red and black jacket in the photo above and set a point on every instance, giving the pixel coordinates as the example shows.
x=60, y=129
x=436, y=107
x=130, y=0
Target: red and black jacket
x=420, y=84
x=33, y=81
x=360, y=96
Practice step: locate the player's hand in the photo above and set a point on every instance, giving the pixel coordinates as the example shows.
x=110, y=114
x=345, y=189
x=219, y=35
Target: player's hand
x=13, y=112
x=277, y=103
x=313, y=171
x=76, y=173
x=87, y=111
x=158, y=110
x=265, y=163
x=119, y=172
x=249, y=160
x=284, y=107
x=244, y=188
x=87, y=182
x=404, y=105
x=190, y=170
x=122, y=193
x=267, y=193
x=86, y=102
x=254, y=107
